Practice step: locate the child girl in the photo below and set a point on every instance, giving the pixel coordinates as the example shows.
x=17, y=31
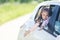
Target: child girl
x=42, y=21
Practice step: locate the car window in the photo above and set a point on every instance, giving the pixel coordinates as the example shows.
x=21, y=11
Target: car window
x=57, y=25
x=39, y=10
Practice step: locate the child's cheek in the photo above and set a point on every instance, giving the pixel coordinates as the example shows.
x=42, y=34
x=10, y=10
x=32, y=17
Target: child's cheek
x=46, y=17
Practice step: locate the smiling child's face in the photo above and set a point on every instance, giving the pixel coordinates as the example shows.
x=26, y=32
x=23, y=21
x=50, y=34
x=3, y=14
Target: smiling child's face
x=44, y=15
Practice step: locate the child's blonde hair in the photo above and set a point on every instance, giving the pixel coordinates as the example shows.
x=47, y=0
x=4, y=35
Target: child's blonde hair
x=40, y=12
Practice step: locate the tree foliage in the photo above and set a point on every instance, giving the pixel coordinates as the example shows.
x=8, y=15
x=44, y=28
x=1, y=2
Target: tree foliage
x=25, y=1
x=21, y=1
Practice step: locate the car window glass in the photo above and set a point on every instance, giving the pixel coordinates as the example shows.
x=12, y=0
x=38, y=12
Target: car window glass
x=57, y=24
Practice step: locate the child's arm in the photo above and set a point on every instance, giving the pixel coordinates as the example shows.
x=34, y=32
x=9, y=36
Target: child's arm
x=32, y=29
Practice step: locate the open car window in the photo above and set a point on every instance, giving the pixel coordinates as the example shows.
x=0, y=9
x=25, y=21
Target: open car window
x=47, y=6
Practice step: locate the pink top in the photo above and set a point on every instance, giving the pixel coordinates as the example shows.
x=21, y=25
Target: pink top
x=45, y=22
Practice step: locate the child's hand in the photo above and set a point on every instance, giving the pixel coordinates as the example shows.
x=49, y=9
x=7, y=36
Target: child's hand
x=26, y=33
x=41, y=27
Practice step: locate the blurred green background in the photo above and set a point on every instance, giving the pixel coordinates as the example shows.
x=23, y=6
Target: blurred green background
x=11, y=9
